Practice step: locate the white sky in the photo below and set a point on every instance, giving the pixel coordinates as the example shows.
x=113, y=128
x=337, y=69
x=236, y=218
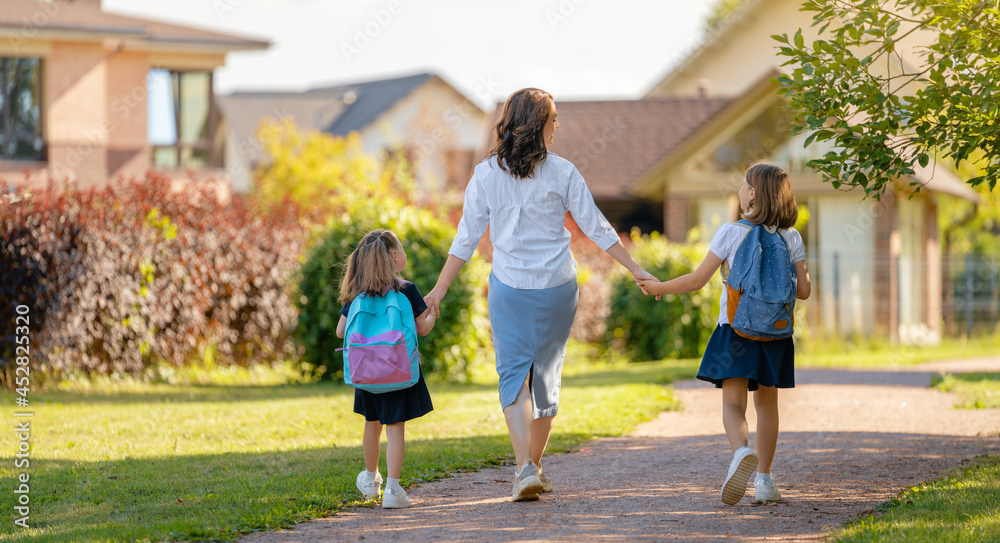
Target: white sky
x=575, y=49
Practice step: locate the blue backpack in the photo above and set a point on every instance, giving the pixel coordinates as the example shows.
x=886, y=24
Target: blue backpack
x=760, y=287
x=380, y=343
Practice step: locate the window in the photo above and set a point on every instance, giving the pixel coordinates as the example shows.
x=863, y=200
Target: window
x=20, y=109
x=758, y=140
x=181, y=119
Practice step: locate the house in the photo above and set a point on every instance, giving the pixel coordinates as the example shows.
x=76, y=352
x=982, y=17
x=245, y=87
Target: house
x=876, y=265
x=421, y=115
x=615, y=143
x=90, y=96
x=675, y=159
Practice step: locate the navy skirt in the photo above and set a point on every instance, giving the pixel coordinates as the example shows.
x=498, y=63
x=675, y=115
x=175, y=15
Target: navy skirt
x=395, y=406
x=767, y=363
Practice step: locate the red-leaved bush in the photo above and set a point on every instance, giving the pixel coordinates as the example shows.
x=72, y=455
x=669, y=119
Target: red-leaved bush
x=121, y=277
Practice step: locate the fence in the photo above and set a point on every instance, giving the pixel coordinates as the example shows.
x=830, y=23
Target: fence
x=971, y=304
x=864, y=297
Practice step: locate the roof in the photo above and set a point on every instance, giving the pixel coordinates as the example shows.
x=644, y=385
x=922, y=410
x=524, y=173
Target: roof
x=337, y=110
x=85, y=18
x=942, y=179
x=369, y=100
x=616, y=142
x=730, y=114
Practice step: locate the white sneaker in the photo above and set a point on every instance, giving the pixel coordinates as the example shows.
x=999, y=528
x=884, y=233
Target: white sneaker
x=395, y=498
x=370, y=487
x=735, y=485
x=546, y=482
x=766, y=491
x=527, y=485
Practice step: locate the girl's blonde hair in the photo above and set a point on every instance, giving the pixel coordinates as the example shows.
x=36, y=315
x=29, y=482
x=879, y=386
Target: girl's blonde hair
x=773, y=201
x=370, y=268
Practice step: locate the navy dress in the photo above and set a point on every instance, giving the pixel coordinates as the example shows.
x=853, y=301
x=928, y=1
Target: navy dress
x=398, y=405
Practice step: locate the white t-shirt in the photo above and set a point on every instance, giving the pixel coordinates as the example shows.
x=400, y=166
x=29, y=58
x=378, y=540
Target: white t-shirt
x=727, y=239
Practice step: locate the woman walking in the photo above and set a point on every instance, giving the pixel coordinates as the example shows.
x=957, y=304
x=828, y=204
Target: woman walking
x=522, y=193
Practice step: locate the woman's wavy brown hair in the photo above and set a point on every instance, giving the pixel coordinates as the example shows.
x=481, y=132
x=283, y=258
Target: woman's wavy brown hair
x=370, y=268
x=520, y=146
x=773, y=201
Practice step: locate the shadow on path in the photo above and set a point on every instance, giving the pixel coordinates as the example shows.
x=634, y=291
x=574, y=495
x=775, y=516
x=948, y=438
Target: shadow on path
x=843, y=450
x=653, y=489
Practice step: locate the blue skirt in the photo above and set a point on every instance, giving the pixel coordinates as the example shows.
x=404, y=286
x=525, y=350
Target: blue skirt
x=767, y=363
x=530, y=332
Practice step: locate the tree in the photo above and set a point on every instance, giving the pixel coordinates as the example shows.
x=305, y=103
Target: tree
x=324, y=173
x=896, y=86
x=721, y=12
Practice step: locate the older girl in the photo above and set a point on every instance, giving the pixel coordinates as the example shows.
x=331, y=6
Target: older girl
x=736, y=364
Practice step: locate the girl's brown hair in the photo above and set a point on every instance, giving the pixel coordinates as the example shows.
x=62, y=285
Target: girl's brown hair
x=520, y=145
x=773, y=201
x=370, y=268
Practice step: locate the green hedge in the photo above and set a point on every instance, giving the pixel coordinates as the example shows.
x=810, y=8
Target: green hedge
x=458, y=348
x=678, y=326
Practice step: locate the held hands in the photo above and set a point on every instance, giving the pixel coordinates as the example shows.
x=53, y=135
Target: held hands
x=650, y=286
x=646, y=282
x=433, y=300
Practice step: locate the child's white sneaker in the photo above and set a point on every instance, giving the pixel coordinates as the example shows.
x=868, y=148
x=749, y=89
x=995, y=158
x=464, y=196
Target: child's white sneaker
x=546, y=482
x=527, y=485
x=765, y=490
x=395, y=498
x=369, y=486
x=735, y=485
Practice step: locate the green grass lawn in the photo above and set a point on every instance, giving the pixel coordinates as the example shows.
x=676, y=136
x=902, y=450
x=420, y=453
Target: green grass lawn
x=964, y=507
x=161, y=462
x=859, y=354
x=152, y=462
x=978, y=390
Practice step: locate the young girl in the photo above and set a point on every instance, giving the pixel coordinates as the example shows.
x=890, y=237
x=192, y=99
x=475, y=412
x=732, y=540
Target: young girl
x=373, y=268
x=736, y=364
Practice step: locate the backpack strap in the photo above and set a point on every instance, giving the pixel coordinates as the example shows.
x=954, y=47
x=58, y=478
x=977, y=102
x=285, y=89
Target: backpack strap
x=724, y=269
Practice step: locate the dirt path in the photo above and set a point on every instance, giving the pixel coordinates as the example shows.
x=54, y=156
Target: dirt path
x=849, y=441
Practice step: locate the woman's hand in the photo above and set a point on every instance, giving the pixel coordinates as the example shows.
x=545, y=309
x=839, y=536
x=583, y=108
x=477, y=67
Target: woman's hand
x=433, y=300
x=650, y=286
x=644, y=279
x=448, y=274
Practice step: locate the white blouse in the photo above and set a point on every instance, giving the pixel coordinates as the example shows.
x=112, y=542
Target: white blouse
x=527, y=222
